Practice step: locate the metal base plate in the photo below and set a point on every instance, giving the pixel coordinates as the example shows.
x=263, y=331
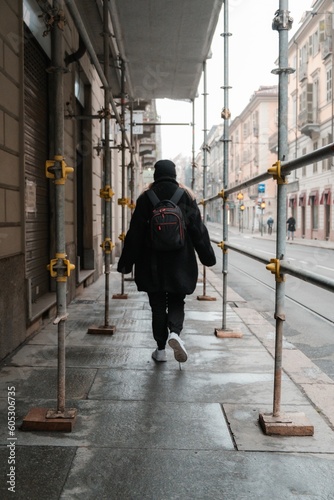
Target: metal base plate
x=205, y=297
x=37, y=420
x=105, y=330
x=120, y=296
x=227, y=334
x=286, y=424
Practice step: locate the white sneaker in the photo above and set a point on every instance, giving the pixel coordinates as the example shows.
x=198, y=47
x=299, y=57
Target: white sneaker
x=159, y=355
x=174, y=341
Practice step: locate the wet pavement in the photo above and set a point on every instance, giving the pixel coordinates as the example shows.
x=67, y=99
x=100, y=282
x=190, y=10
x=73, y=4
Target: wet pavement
x=146, y=430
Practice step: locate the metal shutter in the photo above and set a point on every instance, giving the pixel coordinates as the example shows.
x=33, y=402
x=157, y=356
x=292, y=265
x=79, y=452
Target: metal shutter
x=36, y=153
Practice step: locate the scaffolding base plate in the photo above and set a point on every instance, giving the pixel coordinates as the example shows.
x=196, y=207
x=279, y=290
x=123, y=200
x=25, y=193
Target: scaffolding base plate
x=227, y=334
x=286, y=424
x=205, y=297
x=120, y=296
x=37, y=420
x=106, y=330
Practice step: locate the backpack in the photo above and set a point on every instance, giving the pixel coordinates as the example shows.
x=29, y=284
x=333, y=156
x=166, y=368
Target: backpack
x=167, y=225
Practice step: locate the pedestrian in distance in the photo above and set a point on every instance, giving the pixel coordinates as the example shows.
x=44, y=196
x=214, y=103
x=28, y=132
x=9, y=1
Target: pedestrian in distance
x=166, y=274
x=270, y=223
x=291, y=222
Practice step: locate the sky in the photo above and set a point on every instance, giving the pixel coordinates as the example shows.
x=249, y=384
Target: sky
x=253, y=50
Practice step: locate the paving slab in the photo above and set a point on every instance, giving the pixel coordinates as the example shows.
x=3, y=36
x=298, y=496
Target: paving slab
x=248, y=436
x=165, y=384
x=197, y=475
x=41, y=471
x=41, y=383
x=133, y=424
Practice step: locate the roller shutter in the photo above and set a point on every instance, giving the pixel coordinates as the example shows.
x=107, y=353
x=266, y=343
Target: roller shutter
x=36, y=152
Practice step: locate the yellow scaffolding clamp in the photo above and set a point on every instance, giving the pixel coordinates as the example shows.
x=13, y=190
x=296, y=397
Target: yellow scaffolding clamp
x=123, y=201
x=107, y=245
x=274, y=268
x=202, y=202
x=122, y=236
x=132, y=206
x=66, y=265
x=221, y=194
x=221, y=245
x=65, y=170
x=275, y=171
x=106, y=193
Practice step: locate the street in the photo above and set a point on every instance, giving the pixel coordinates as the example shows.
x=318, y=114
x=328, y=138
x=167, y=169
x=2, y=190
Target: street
x=309, y=309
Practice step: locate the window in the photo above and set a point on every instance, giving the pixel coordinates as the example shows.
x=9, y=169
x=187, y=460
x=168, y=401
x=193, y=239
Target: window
x=316, y=45
x=314, y=205
x=304, y=168
x=315, y=164
x=294, y=111
x=245, y=130
x=330, y=159
x=256, y=123
x=329, y=85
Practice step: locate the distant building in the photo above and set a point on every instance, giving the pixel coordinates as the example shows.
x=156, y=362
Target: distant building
x=249, y=156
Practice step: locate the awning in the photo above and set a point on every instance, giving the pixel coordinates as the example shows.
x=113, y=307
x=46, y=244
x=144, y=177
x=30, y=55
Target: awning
x=302, y=200
x=315, y=195
x=293, y=201
x=326, y=197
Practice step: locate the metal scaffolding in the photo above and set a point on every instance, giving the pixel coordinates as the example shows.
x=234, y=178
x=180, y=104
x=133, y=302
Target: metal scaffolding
x=272, y=423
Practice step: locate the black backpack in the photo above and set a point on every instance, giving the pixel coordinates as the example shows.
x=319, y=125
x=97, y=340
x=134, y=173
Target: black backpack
x=167, y=225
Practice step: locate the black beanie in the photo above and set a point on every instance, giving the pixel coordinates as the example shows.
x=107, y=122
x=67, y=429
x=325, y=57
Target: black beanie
x=164, y=168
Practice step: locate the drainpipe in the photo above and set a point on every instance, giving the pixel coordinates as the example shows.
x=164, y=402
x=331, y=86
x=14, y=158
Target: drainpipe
x=79, y=24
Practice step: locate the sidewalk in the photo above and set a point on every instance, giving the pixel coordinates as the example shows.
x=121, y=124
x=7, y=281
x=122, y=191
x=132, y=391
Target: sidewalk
x=153, y=431
x=295, y=241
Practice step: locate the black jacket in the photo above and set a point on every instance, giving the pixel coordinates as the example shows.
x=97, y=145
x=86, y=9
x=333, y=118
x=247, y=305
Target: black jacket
x=175, y=271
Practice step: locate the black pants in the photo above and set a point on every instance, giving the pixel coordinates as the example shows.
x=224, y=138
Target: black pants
x=167, y=313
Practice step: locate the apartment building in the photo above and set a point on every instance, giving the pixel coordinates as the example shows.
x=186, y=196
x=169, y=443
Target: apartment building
x=249, y=156
x=311, y=121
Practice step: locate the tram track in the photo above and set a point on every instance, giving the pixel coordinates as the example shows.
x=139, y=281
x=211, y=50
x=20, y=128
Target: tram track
x=287, y=296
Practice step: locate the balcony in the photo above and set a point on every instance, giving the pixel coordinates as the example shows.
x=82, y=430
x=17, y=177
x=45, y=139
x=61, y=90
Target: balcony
x=308, y=123
x=302, y=72
x=273, y=142
x=326, y=47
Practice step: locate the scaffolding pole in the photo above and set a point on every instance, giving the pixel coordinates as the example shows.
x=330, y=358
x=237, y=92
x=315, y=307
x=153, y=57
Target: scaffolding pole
x=106, y=193
x=59, y=419
x=226, y=114
x=205, y=166
x=123, y=202
x=277, y=423
x=193, y=166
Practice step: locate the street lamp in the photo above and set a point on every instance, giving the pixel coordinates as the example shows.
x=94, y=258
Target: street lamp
x=242, y=208
x=262, y=206
x=240, y=197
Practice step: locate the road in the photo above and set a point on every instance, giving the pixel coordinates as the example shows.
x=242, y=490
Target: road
x=309, y=309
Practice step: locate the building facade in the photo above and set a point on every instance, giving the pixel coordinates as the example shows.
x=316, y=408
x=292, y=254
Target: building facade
x=27, y=194
x=311, y=122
